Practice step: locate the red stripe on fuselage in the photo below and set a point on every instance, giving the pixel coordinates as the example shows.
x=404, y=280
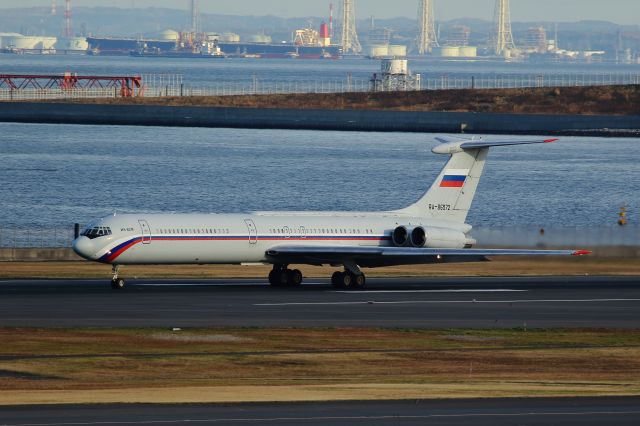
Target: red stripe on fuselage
x=113, y=256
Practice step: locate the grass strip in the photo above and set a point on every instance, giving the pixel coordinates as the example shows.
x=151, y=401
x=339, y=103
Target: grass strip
x=291, y=364
x=497, y=267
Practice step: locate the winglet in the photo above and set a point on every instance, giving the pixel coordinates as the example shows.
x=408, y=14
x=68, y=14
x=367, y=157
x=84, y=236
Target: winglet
x=581, y=253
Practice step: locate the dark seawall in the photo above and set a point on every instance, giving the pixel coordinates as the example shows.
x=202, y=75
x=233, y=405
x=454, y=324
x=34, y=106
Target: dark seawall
x=309, y=119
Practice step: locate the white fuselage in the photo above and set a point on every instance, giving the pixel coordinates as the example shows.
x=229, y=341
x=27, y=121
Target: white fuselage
x=245, y=238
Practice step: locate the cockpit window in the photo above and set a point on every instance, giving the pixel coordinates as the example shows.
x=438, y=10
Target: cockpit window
x=97, y=231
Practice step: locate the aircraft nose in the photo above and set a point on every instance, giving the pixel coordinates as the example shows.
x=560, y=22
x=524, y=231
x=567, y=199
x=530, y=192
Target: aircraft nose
x=83, y=247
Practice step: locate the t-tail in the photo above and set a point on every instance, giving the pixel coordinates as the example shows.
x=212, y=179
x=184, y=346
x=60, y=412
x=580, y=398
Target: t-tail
x=451, y=195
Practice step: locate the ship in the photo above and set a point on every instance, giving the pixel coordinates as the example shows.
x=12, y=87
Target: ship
x=125, y=46
x=283, y=50
x=203, y=50
x=307, y=44
x=116, y=46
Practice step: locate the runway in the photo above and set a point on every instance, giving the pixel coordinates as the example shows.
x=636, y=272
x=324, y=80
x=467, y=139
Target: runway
x=534, y=411
x=609, y=302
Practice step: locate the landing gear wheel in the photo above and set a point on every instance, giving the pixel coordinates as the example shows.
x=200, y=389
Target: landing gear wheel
x=283, y=277
x=346, y=280
x=294, y=278
x=273, y=278
x=117, y=284
x=335, y=279
x=359, y=282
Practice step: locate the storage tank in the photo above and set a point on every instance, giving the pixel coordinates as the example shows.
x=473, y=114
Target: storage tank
x=223, y=38
x=447, y=51
x=397, y=50
x=4, y=37
x=169, y=35
x=259, y=38
x=29, y=42
x=377, y=50
x=395, y=66
x=229, y=37
x=72, y=43
x=468, y=51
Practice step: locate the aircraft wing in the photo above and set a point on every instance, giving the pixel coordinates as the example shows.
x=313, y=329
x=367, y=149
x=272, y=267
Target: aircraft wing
x=398, y=255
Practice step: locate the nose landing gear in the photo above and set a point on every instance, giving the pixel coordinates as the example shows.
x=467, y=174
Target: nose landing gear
x=116, y=283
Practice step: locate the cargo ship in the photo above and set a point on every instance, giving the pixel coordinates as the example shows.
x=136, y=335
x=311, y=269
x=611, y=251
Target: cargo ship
x=125, y=46
x=203, y=50
x=307, y=44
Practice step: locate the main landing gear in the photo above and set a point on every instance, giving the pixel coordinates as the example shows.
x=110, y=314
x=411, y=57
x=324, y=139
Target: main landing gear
x=351, y=279
x=347, y=280
x=281, y=276
x=116, y=283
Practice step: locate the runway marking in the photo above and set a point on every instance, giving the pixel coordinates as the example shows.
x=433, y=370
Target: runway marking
x=407, y=302
x=343, y=418
x=231, y=284
x=195, y=284
x=497, y=290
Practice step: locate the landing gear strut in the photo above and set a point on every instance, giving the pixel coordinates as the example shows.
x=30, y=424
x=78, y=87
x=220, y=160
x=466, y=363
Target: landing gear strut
x=351, y=279
x=116, y=283
x=281, y=276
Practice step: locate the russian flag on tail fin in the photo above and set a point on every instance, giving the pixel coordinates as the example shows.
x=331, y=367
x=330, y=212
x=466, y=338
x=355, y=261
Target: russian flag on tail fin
x=454, y=178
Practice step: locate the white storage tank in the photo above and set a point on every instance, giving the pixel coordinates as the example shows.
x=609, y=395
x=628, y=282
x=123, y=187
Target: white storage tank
x=229, y=38
x=447, y=51
x=397, y=50
x=72, y=43
x=395, y=66
x=169, y=35
x=259, y=38
x=377, y=50
x=29, y=42
x=4, y=39
x=223, y=38
x=468, y=51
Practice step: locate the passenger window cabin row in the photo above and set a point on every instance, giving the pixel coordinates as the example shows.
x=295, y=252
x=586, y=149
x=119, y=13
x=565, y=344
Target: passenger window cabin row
x=320, y=231
x=193, y=231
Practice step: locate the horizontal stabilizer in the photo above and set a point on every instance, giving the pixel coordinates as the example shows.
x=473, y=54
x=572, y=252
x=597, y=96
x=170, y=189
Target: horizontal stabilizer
x=475, y=144
x=453, y=145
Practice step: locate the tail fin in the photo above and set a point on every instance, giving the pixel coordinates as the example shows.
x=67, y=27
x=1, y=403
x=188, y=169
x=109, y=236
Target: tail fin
x=451, y=195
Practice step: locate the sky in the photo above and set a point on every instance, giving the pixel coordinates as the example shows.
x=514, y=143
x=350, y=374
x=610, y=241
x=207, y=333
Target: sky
x=619, y=11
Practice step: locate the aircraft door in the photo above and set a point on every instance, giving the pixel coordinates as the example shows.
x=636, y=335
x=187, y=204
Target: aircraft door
x=146, y=231
x=253, y=231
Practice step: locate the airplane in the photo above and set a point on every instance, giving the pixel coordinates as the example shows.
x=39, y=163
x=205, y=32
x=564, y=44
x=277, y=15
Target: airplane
x=432, y=230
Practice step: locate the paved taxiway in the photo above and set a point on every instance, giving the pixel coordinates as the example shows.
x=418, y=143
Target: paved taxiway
x=535, y=411
x=388, y=302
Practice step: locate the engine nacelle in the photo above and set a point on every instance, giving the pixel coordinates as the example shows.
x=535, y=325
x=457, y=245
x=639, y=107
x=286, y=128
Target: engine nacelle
x=445, y=238
x=418, y=237
x=400, y=236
